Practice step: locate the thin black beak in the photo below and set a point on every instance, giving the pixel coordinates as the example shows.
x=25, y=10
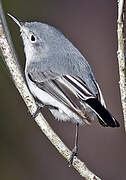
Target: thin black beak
x=17, y=21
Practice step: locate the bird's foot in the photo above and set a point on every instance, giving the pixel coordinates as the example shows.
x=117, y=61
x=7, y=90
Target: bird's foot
x=39, y=107
x=35, y=114
x=73, y=153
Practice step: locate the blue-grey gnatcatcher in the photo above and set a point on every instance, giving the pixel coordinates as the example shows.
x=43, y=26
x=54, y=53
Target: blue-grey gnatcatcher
x=60, y=78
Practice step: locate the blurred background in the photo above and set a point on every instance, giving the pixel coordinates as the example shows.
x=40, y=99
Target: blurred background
x=25, y=152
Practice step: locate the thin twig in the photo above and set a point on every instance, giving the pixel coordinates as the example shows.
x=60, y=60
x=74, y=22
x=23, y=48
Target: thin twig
x=12, y=63
x=121, y=56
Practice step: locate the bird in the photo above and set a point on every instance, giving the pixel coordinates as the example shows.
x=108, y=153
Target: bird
x=60, y=78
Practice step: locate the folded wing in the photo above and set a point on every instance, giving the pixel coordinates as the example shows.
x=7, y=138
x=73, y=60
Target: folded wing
x=72, y=92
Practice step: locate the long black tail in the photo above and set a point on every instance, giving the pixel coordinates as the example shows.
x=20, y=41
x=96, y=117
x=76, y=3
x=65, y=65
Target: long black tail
x=105, y=118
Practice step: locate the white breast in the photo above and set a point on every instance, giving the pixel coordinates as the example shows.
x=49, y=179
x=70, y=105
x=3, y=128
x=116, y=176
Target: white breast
x=63, y=113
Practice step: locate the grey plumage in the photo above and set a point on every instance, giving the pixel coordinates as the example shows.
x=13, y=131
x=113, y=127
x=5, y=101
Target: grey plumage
x=58, y=75
x=62, y=57
x=60, y=78
x=58, y=56
x=66, y=61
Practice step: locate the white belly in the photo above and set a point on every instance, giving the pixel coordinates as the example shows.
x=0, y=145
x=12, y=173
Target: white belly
x=64, y=113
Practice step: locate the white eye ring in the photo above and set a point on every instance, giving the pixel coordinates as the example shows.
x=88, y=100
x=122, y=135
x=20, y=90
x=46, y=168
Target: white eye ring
x=33, y=38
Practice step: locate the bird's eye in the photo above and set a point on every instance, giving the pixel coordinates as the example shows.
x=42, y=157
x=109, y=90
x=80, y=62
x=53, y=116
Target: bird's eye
x=33, y=38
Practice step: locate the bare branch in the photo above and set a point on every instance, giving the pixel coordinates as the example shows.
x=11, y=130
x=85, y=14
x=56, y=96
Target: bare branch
x=10, y=59
x=121, y=56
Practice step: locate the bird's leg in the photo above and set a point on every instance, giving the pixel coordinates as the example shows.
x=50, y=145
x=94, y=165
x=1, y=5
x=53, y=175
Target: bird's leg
x=40, y=106
x=37, y=111
x=75, y=149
